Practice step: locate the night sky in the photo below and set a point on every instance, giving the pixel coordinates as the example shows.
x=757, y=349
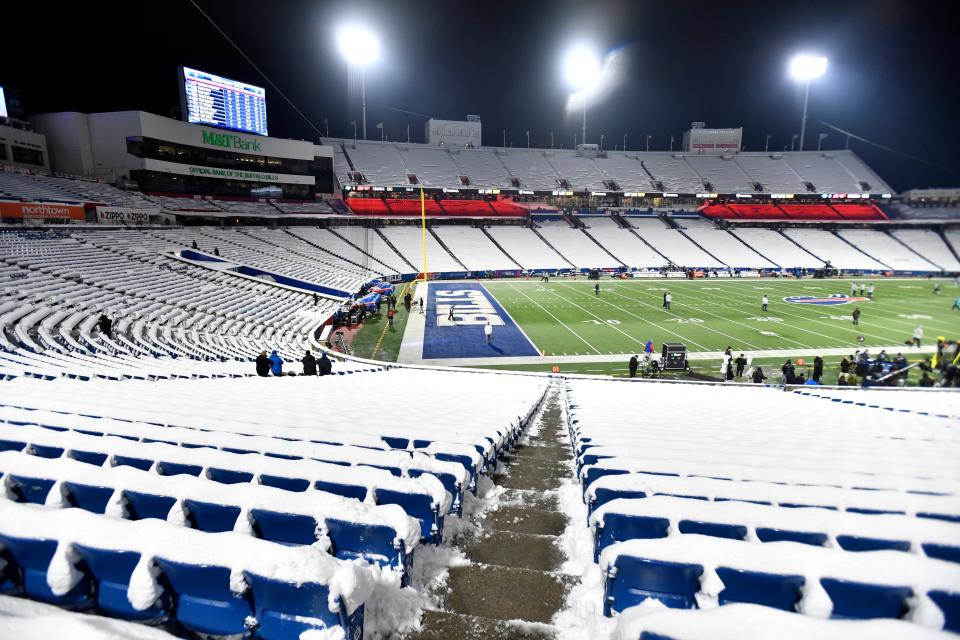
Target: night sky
x=892, y=77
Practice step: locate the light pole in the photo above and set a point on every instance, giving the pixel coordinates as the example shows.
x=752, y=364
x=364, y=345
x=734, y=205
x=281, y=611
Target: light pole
x=582, y=69
x=648, y=141
x=601, y=142
x=528, y=138
x=766, y=146
x=820, y=139
x=551, y=139
x=804, y=68
x=360, y=48
x=624, y=142
x=504, y=138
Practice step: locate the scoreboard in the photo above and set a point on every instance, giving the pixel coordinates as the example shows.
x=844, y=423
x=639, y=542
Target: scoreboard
x=216, y=101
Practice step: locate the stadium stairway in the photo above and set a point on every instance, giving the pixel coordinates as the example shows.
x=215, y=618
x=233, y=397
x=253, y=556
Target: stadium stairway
x=553, y=248
x=512, y=587
x=395, y=250
x=446, y=248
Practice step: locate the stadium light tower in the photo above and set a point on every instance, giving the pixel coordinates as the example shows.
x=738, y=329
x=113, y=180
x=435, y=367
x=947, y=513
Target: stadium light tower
x=804, y=68
x=360, y=48
x=581, y=67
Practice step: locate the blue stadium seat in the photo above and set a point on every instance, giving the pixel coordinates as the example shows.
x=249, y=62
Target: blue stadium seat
x=210, y=517
x=282, y=456
x=395, y=471
x=603, y=496
x=949, y=603
x=32, y=558
x=228, y=476
x=44, y=451
x=416, y=505
x=951, y=553
x=860, y=543
x=111, y=571
x=12, y=445
x=754, y=587
x=89, y=457
x=285, y=528
x=129, y=461
x=396, y=443
x=633, y=580
x=860, y=600
x=714, y=529
x=370, y=542
x=204, y=602
x=177, y=468
x=87, y=497
x=766, y=534
x=141, y=506
x=618, y=527
x=285, y=610
x=10, y=575
x=594, y=473
x=449, y=482
x=355, y=491
x=27, y=489
x=288, y=484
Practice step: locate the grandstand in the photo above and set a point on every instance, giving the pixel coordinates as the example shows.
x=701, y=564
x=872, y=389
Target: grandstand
x=473, y=477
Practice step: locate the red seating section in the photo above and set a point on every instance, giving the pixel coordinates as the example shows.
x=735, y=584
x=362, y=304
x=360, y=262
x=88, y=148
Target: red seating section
x=810, y=211
x=451, y=208
x=837, y=212
x=758, y=211
x=718, y=211
x=860, y=212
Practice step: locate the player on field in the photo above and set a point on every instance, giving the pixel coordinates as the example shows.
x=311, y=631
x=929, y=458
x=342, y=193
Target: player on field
x=853, y=289
x=667, y=299
x=918, y=336
x=856, y=316
x=870, y=291
x=488, y=331
x=764, y=302
x=596, y=289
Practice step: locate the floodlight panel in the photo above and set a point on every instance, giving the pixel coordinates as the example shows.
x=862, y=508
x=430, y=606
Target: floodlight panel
x=358, y=45
x=581, y=67
x=806, y=67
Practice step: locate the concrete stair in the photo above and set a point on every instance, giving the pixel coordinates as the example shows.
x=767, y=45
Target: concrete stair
x=513, y=588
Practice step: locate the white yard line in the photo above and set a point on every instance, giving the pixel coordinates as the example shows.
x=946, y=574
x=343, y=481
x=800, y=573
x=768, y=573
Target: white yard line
x=614, y=327
x=515, y=323
x=650, y=322
x=556, y=318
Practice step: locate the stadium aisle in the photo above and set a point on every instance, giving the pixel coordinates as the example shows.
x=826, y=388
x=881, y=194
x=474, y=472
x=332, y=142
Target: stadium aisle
x=512, y=588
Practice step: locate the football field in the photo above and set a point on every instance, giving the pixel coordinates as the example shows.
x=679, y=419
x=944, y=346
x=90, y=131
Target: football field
x=567, y=317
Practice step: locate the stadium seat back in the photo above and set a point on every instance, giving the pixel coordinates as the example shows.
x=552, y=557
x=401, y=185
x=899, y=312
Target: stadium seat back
x=950, y=553
x=165, y=468
x=860, y=543
x=32, y=558
x=396, y=443
x=141, y=506
x=210, y=517
x=949, y=603
x=618, y=527
x=228, y=476
x=599, y=472
x=87, y=497
x=674, y=584
x=417, y=505
x=355, y=491
x=860, y=600
x=111, y=571
x=375, y=543
x=44, y=451
x=754, y=587
x=88, y=457
x=766, y=534
x=30, y=490
x=12, y=445
x=287, y=484
x=129, y=461
x=286, y=610
x=204, y=602
x=714, y=529
x=285, y=528
x=602, y=496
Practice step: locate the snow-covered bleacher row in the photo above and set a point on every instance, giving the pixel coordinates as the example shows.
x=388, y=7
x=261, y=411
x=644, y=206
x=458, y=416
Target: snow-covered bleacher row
x=391, y=164
x=245, y=508
x=169, y=318
x=765, y=502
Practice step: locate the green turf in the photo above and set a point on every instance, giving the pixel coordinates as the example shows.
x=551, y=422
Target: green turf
x=365, y=343
x=565, y=317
